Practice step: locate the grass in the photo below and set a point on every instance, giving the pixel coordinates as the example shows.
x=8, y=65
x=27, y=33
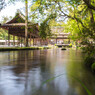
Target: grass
x=75, y=78
x=22, y=48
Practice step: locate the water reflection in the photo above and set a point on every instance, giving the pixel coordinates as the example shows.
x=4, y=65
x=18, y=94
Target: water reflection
x=23, y=72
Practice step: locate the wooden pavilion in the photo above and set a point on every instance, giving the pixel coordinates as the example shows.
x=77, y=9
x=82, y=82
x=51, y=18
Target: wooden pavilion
x=16, y=27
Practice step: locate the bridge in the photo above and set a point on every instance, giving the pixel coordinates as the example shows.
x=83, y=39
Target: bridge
x=61, y=45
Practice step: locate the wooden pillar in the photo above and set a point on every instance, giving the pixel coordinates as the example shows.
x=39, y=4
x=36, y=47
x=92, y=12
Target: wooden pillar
x=30, y=39
x=56, y=40
x=48, y=41
x=8, y=39
x=18, y=41
x=26, y=23
x=68, y=41
x=24, y=41
x=40, y=41
x=13, y=40
x=21, y=41
x=33, y=41
x=36, y=42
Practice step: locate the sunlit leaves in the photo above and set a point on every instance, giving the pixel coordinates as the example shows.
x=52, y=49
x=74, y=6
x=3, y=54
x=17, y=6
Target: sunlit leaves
x=35, y=6
x=4, y=33
x=45, y=30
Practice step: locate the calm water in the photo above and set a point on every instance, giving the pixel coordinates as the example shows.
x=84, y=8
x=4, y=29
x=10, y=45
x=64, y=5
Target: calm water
x=23, y=73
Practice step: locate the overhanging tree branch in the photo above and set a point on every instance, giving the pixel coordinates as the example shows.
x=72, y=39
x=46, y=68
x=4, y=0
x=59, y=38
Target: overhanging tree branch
x=89, y=5
x=75, y=18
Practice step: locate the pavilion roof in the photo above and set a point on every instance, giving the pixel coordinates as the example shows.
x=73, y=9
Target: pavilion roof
x=17, y=26
x=19, y=17
x=18, y=20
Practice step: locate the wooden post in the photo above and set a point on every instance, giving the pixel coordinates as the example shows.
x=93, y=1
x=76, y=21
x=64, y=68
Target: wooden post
x=69, y=41
x=47, y=41
x=21, y=41
x=41, y=42
x=30, y=39
x=8, y=39
x=33, y=41
x=24, y=41
x=56, y=40
x=26, y=23
x=13, y=40
x=18, y=41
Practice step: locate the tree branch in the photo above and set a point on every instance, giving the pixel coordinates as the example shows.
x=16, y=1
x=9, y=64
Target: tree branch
x=89, y=5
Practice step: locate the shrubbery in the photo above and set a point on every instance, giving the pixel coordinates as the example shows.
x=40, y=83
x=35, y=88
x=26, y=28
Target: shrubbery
x=89, y=60
x=63, y=48
x=93, y=67
x=70, y=45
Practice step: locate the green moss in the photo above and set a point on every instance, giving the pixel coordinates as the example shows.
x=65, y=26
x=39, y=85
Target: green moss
x=93, y=67
x=22, y=48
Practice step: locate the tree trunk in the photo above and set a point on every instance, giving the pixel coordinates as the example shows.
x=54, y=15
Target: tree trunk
x=26, y=23
x=91, y=13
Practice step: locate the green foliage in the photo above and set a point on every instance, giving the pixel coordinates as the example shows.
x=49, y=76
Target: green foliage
x=73, y=77
x=80, y=19
x=89, y=60
x=93, y=67
x=70, y=45
x=2, y=4
x=45, y=30
x=13, y=1
x=3, y=32
x=81, y=25
x=22, y=48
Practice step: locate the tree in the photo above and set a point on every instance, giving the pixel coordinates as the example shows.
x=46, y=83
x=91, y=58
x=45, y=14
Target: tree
x=91, y=4
x=79, y=15
x=4, y=33
x=26, y=23
x=2, y=4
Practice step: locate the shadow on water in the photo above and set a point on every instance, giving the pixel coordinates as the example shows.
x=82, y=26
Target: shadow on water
x=23, y=72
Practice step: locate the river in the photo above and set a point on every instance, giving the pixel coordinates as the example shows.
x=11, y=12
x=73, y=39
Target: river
x=44, y=72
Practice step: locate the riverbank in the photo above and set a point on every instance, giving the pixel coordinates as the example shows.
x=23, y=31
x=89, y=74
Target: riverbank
x=22, y=48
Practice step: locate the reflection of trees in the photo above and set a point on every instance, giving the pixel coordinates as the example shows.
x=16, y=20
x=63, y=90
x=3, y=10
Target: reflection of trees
x=75, y=67
x=32, y=68
x=45, y=74
x=24, y=61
